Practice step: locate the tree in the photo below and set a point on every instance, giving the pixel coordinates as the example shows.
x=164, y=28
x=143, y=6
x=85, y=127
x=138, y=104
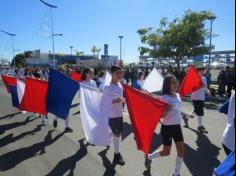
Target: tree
x=183, y=37
x=21, y=59
x=79, y=53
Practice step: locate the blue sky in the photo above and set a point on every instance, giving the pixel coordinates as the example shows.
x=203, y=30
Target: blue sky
x=85, y=23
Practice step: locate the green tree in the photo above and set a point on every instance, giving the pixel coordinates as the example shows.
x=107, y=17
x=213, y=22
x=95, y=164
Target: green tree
x=182, y=37
x=20, y=59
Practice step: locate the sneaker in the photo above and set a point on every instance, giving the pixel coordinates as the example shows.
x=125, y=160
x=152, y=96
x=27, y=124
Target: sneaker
x=55, y=124
x=68, y=130
x=118, y=159
x=148, y=163
x=44, y=123
x=202, y=129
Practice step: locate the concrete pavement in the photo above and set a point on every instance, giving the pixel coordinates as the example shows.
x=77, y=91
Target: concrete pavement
x=29, y=150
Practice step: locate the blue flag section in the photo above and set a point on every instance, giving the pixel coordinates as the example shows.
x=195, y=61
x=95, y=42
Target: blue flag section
x=224, y=108
x=14, y=96
x=227, y=168
x=61, y=91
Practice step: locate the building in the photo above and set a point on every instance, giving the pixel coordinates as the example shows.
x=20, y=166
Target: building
x=89, y=61
x=107, y=59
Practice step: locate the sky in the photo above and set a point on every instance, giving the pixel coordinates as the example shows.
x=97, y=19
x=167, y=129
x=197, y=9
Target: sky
x=85, y=23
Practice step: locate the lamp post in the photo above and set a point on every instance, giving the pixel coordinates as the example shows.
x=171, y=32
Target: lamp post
x=71, y=50
x=52, y=30
x=13, y=44
x=121, y=37
x=212, y=18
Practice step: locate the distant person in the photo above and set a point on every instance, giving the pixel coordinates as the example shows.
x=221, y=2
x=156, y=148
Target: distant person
x=198, y=97
x=182, y=75
x=101, y=81
x=176, y=73
x=221, y=83
x=163, y=72
x=230, y=80
x=87, y=78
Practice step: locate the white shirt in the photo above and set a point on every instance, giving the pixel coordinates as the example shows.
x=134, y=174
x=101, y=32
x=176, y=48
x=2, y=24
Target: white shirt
x=90, y=83
x=113, y=92
x=174, y=116
x=201, y=93
x=102, y=83
x=229, y=133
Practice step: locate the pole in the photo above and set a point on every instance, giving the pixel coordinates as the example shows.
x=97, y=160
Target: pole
x=209, y=64
x=121, y=37
x=53, y=44
x=13, y=50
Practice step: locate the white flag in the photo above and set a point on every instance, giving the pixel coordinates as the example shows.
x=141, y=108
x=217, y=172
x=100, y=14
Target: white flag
x=20, y=90
x=108, y=78
x=153, y=82
x=93, y=116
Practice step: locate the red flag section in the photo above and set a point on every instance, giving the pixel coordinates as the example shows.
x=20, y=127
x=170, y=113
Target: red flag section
x=75, y=76
x=145, y=113
x=8, y=81
x=35, y=97
x=191, y=82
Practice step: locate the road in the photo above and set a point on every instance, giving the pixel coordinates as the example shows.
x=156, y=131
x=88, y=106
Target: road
x=26, y=149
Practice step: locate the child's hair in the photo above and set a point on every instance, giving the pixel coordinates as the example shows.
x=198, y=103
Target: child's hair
x=114, y=68
x=85, y=72
x=167, y=83
x=140, y=74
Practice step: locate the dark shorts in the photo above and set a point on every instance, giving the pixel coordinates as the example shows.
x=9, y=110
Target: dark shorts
x=116, y=125
x=198, y=107
x=170, y=132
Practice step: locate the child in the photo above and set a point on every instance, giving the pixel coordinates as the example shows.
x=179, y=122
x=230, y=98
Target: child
x=229, y=133
x=198, y=98
x=87, y=78
x=115, y=111
x=171, y=125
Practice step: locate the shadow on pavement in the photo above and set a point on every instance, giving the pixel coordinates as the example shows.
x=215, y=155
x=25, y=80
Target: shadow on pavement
x=77, y=113
x=74, y=105
x=10, y=139
x=5, y=127
x=110, y=167
x=13, y=158
x=69, y=164
x=9, y=115
x=203, y=160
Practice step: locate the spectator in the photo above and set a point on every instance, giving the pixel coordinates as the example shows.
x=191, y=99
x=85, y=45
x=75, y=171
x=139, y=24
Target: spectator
x=182, y=75
x=230, y=80
x=221, y=83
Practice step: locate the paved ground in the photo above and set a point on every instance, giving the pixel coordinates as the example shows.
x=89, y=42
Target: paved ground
x=29, y=150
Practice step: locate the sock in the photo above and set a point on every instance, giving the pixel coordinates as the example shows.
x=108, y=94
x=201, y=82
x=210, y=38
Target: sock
x=154, y=155
x=179, y=162
x=67, y=122
x=116, y=143
x=200, y=121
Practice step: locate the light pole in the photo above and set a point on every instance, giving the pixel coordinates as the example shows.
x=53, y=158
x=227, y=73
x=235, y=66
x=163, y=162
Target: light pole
x=52, y=30
x=71, y=50
x=212, y=18
x=121, y=37
x=13, y=44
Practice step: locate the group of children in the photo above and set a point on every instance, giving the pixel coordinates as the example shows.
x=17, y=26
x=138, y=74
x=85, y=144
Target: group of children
x=171, y=121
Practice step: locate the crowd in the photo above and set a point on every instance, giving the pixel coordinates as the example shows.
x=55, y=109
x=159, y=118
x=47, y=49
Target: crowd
x=171, y=123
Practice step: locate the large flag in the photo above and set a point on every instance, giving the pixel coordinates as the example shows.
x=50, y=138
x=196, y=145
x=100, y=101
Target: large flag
x=108, y=78
x=75, y=76
x=17, y=92
x=93, y=115
x=191, y=82
x=61, y=91
x=227, y=168
x=224, y=108
x=145, y=113
x=8, y=81
x=35, y=95
x=153, y=82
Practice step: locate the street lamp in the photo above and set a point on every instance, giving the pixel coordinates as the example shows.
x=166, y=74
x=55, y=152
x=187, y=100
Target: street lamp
x=121, y=37
x=13, y=45
x=71, y=49
x=212, y=19
x=52, y=30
